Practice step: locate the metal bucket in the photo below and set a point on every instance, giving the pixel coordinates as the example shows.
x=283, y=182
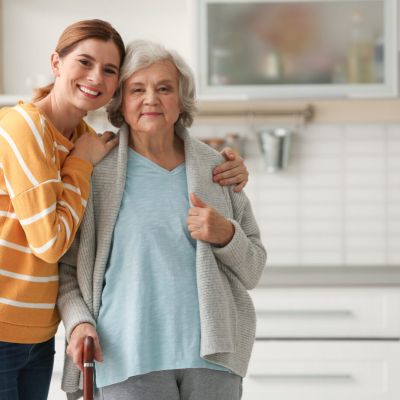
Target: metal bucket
x=275, y=147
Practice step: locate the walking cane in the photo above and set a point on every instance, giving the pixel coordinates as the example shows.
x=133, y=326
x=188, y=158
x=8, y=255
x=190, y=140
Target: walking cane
x=88, y=368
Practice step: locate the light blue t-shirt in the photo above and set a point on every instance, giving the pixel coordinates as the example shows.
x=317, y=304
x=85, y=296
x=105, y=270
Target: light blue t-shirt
x=149, y=317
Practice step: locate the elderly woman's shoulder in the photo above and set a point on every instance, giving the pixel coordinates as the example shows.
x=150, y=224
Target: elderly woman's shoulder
x=112, y=158
x=205, y=150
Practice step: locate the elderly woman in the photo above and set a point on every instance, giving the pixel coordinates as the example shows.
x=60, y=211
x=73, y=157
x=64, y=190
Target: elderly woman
x=161, y=283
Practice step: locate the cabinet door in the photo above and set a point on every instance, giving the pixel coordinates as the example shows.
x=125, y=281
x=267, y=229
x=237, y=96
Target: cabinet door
x=271, y=49
x=324, y=370
x=327, y=312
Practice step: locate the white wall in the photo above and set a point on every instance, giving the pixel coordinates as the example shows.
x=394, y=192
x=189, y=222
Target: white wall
x=337, y=204
x=30, y=29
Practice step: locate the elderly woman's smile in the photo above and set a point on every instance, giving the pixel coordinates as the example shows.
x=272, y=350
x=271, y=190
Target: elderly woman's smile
x=151, y=114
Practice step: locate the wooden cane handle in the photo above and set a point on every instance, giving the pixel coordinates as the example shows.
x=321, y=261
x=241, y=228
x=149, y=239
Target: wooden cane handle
x=88, y=368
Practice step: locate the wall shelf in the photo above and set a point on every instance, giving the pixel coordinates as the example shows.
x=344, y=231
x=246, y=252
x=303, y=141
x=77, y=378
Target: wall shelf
x=323, y=111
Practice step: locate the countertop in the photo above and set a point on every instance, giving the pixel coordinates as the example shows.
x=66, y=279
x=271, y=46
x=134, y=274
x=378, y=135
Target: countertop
x=331, y=276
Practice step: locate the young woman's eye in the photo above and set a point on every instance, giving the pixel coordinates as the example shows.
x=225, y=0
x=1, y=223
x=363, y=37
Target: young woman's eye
x=84, y=62
x=110, y=71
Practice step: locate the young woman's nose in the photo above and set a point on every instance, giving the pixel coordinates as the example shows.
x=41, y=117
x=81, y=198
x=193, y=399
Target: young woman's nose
x=95, y=76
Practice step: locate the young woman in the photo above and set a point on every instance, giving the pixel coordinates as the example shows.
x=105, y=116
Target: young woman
x=47, y=153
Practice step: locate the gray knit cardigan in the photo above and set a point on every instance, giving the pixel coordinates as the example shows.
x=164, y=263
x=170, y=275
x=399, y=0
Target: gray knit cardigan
x=224, y=275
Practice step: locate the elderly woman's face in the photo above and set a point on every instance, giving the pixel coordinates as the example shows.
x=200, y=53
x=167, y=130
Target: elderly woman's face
x=150, y=99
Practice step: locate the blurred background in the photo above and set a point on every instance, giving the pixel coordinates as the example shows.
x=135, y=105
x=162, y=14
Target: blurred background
x=326, y=195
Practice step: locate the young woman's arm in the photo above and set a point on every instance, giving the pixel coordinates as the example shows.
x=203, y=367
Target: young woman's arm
x=46, y=202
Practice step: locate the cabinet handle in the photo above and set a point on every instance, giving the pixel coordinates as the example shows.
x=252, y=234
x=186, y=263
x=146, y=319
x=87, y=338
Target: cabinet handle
x=308, y=377
x=306, y=313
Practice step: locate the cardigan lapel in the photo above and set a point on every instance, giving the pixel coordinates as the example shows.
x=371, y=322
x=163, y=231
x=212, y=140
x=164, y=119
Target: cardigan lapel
x=199, y=178
x=196, y=174
x=191, y=162
x=108, y=191
x=208, y=271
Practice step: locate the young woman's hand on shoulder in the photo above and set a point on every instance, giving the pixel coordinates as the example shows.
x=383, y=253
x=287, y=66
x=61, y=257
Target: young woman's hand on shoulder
x=94, y=148
x=232, y=172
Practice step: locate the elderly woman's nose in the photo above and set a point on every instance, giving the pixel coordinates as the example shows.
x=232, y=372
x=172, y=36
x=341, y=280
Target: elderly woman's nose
x=151, y=96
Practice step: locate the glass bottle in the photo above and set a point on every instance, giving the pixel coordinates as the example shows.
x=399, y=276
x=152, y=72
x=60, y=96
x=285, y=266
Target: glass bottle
x=360, y=56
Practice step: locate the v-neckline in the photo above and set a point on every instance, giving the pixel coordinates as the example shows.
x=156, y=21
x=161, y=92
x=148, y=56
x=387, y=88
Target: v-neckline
x=155, y=165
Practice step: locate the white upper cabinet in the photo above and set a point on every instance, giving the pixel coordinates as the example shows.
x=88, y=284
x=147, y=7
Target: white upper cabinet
x=297, y=48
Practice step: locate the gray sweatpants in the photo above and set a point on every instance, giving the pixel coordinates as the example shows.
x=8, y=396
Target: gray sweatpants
x=176, y=384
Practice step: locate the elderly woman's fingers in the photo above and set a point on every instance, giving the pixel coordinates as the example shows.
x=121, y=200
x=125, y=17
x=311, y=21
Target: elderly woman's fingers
x=193, y=211
x=192, y=220
x=193, y=228
x=75, y=352
x=98, y=354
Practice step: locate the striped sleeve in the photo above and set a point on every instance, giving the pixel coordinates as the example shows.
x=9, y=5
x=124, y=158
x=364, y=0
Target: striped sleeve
x=48, y=202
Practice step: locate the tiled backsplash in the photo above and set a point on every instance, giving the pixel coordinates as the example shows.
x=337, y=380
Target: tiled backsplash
x=337, y=203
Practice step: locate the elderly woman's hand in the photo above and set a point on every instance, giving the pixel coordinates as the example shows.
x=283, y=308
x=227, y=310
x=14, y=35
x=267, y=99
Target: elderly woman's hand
x=231, y=172
x=206, y=224
x=75, y=346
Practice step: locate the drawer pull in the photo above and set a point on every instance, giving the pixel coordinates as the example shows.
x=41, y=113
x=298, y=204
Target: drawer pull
x=306, y=313
x=308, y=377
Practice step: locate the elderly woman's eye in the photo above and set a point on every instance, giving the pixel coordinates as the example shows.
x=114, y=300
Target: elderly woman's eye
x=164, y=89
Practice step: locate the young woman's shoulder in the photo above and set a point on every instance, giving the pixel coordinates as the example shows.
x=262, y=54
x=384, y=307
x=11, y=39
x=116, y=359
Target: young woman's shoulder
x=23, y=131
x=23, y=117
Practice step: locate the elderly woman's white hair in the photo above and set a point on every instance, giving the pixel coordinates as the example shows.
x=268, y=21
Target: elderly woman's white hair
x=141, y=54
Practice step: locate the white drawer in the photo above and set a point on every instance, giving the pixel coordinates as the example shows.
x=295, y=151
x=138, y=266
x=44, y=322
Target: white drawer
x=327, y=312
x=328, y=370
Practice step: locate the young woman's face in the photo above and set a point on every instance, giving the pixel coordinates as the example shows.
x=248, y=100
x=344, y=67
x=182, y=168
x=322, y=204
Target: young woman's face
x=88, y=76
x=150, y=99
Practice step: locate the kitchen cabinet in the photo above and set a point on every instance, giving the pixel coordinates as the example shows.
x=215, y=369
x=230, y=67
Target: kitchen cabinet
x=265, y=49
x=333, y=343
x=332, y=370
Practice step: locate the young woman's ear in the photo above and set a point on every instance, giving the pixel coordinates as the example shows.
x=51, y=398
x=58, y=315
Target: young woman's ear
x=55, y=61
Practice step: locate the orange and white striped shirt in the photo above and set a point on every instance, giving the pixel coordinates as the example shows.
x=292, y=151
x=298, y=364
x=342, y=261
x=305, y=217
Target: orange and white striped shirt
x=43, y=195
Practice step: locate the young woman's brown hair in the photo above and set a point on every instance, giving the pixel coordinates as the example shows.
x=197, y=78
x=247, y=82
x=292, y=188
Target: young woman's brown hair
x=75, y=33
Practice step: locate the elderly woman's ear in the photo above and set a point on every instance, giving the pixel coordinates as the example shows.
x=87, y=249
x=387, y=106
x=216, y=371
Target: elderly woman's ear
x=231, y=172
